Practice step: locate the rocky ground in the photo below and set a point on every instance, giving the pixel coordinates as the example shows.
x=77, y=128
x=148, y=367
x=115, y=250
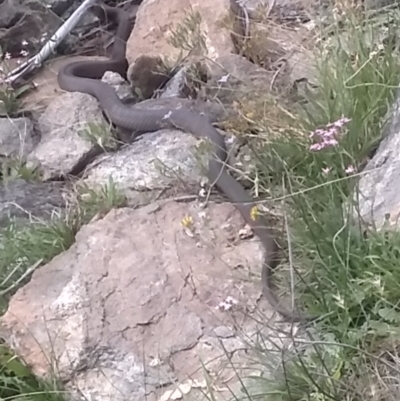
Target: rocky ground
x=143, y=304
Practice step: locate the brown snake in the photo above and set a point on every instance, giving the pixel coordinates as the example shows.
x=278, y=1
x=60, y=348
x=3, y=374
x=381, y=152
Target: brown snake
x=84, y=77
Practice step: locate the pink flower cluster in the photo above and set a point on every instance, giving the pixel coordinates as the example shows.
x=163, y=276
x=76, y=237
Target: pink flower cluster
x=328, y=136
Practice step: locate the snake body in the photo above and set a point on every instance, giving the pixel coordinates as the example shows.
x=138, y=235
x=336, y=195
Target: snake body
x=84, y=77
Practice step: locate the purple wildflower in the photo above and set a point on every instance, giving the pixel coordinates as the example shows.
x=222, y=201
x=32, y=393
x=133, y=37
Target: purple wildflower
x=316, y=146
x=328, y=136
x=340, y=123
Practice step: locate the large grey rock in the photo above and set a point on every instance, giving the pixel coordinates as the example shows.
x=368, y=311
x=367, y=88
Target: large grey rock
x=61, y=147
x=133, y=304
x=154, y=25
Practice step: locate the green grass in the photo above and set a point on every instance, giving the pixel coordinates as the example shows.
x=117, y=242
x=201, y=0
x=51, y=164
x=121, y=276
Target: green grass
x=349, y=274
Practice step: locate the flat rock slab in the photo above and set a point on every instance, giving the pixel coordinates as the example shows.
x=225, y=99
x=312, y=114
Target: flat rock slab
x=138, y=300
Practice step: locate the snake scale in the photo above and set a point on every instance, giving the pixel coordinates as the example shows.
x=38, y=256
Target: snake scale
x=85, y=77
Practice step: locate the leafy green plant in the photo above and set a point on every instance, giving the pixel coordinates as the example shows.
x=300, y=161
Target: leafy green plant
x=347, y=273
